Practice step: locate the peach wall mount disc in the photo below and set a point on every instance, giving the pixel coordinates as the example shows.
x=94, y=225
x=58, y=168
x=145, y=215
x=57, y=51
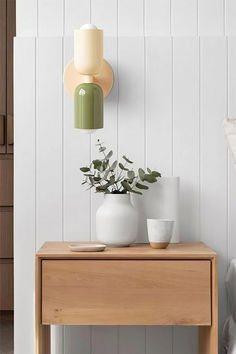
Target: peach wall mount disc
x=72, y=78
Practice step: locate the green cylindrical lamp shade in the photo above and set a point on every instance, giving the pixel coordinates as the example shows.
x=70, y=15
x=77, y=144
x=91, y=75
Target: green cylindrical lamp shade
x=88, y=106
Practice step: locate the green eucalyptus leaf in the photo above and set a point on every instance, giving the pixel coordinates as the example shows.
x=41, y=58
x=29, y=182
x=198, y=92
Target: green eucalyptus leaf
x=113, y=166
x=104, y=165
x=126, y=186
x=141, y=173
x=101, y=188
x=122, y=167
x=97, y=179
x=141, y=186
x=126, y=159
x=149, y=178
x=131, y=174
x=101, y=171
x=112, y=179
x=97, y=164
x=109, y=155
x=105, y=176
x=156, y=174
x=84, y=169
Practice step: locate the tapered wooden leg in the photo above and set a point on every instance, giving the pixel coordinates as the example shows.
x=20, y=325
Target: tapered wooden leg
x=208, y=335
x=208, y=340
x=42, y=340
x=42, y=333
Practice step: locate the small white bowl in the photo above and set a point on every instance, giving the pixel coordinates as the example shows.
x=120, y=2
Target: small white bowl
x=160, y=232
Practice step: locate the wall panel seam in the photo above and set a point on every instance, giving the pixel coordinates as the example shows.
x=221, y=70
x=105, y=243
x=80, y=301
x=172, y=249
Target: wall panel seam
x=37, y=18
x=117, y=73
x=144, y=87
x=197, y=17
x=62, y=150
x=200, y=127
x=35, y=138
x=228, y=157
x=172, y=108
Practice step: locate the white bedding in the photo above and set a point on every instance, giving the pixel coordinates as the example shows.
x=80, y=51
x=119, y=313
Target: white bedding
x=229, y=336
x=229, y=126
x=229, y=332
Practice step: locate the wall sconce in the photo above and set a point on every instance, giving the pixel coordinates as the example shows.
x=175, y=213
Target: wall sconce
x=88, y=78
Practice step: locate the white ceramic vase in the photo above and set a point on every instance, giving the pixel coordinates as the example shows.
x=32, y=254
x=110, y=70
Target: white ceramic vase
x=117, y=221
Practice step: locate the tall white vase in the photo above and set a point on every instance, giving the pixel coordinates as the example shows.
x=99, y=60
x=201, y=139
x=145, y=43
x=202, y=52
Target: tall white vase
x=116, y=221
x=161, y=201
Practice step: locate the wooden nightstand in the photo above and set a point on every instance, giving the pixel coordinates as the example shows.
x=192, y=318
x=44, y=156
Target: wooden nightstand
x=127, y=286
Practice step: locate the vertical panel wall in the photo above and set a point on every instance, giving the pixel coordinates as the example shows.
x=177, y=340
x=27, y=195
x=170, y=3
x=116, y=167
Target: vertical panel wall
x=24, y=172
x=213, y=182
x=175, y=81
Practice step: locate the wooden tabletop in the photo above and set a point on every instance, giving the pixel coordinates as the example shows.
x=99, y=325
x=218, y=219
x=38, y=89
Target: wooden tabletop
x=186, y=250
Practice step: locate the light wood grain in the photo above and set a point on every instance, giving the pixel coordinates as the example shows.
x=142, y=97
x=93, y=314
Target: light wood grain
x=6, y=284
x=6, y=182
x=126, y=292
x=6, y=233
x=42, y=333
x=187, y=250
x=208, y=335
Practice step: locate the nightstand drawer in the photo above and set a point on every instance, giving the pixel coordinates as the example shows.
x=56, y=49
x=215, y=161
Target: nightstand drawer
x=125, y=292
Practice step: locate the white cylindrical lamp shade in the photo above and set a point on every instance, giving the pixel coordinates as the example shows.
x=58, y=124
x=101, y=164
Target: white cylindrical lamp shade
x=88, y=51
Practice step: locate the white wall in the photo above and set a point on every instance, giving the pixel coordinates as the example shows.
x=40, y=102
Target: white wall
x=175, y=80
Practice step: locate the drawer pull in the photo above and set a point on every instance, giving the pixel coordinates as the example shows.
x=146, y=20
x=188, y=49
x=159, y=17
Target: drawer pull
x=10, y=130
x=2, y=129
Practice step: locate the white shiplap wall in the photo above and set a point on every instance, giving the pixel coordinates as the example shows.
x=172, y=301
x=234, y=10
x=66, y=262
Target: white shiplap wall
x=175, y=80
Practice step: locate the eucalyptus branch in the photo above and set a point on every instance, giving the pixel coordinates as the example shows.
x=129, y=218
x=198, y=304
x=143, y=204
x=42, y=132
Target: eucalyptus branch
x=111, y=171
x=103, y=176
